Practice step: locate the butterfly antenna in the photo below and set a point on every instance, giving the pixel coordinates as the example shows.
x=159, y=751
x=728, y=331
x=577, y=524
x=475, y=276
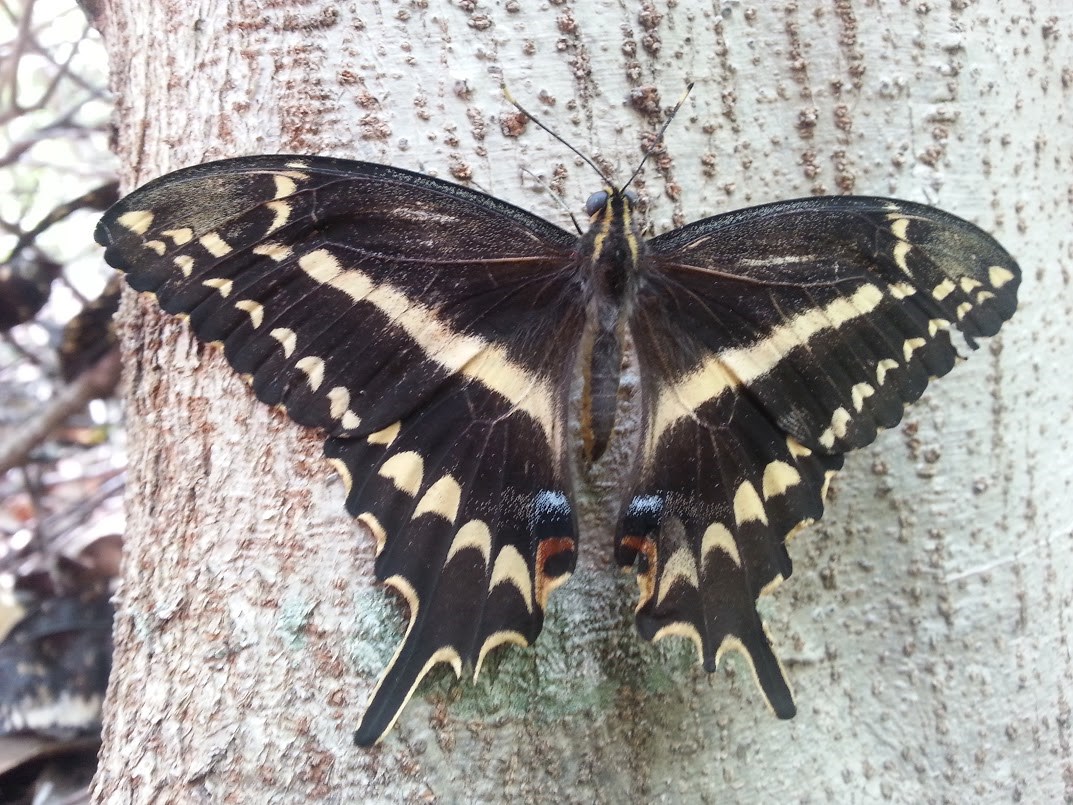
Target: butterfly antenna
x=659, y=137
x=556, y=198
x=531, y=116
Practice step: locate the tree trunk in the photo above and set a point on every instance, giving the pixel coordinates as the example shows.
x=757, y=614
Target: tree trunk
x=926, y=627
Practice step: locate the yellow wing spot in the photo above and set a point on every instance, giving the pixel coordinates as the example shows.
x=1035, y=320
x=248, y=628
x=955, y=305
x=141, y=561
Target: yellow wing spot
x=680, y=565
x=405, y=470
x=274, y=251
x=255, y=309
x=883, y=367
x=338, y=401
x=900, y=290
x=220, y=284
x=413, y=601
x=180, y=236
x=860, y=392
x=899, y=227
x=681, y=629
x=344, y=472
x=313, y=367
x=215, y=245
x=550, y=585
x=797, y=450
x=983, y=296
x=747, y=505
x=901, y=251
x=943, y=290
x=493, y=642
x=717, y=537
x=350, y=420
x=828, y=476
x=510, y=568
x=442, y=498
x=368, y=519
x=963, y=310
x=778, y=477
x=385, y=436
x=935, y=325
x=797, y=529
x=999, y=276
x=285, y=185
x=282, y=211
x=772, y=585
x=137, y=221
x=297, y=174
x=968, y=284
x=910, y=346
x=474, y=534
x=840, y=419
x=185, y=263
x=158, y=246
x=288, y=339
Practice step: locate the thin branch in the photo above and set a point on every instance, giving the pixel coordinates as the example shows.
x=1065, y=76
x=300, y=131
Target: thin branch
x=96, y=382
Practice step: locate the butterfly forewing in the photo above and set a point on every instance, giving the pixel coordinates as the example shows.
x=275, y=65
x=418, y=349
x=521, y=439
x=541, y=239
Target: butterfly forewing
x=430, y=332
x=771, y=341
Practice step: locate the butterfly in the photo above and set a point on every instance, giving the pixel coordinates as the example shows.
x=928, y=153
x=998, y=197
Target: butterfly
x=437, y=336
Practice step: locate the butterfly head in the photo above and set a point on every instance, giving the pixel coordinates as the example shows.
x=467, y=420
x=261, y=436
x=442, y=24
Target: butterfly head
x=610, y=201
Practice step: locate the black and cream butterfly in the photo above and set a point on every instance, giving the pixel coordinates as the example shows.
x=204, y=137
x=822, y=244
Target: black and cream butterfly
x=437, y=337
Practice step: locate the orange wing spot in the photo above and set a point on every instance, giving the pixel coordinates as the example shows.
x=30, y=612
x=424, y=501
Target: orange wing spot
x=547, y=583
x=646, y=579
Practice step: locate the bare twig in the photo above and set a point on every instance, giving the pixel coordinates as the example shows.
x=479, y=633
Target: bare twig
x=96, y=382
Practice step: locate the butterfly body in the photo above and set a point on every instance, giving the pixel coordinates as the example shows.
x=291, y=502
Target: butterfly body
x=434, y=335
x=612, y=252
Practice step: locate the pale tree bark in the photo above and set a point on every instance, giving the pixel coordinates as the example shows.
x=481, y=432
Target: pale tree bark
x=927, y=625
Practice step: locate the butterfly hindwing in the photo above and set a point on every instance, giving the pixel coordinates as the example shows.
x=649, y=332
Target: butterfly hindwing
x=427, y=329
x=771, y=341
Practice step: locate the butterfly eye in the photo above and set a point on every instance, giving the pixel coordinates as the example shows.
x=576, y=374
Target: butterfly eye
x=597, y=201
x=632, y=197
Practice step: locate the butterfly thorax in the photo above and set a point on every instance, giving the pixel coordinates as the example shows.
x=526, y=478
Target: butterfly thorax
x=610, y=253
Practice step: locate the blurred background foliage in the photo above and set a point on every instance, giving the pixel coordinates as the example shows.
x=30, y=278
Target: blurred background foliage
x=61, y=436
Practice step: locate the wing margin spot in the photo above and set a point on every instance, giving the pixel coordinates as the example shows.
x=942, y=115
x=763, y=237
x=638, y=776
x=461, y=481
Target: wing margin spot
x=473, y=534
x=748, y=506
x=287, y=338
x=717, y=537
x=778, y=478
x=255, y=310
x=386, y=435
x=313, y=368
x=405, y=470
x=442, y=498
x=510, y=568
x=680, y=565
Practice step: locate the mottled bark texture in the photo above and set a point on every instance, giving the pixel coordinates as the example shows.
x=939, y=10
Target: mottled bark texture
x=927, y=625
